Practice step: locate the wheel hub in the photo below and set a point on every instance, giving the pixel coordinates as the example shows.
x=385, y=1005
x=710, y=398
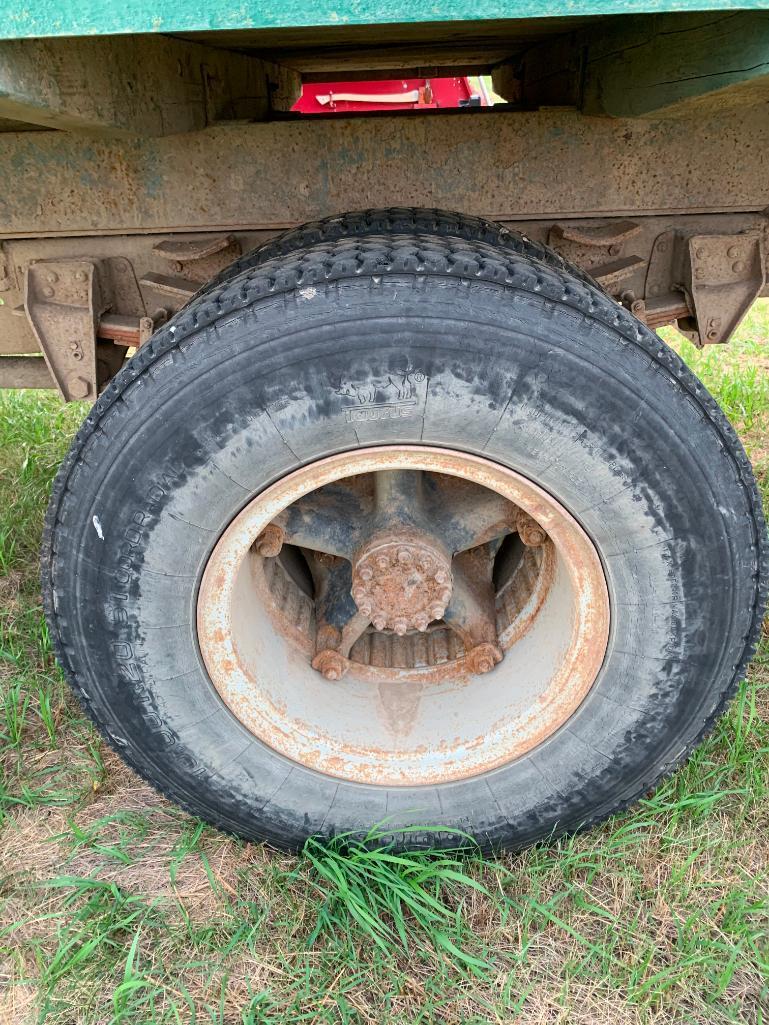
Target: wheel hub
x=401, y=582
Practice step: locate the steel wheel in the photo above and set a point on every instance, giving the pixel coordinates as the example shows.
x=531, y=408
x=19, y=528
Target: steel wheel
x=454, y=615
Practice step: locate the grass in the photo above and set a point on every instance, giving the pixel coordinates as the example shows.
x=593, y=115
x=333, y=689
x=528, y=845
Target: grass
x=118, y=909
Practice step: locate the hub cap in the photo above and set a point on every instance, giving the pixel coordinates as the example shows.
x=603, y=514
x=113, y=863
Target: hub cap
x=403, y=615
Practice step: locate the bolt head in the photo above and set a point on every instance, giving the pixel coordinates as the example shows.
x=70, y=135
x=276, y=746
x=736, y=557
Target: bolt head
x=51, y=277
x=48, y=291
x=81, y=275
x=483, y=657
x=78, y=387
x=330, y=664
x=270, y=542
x=738, y=267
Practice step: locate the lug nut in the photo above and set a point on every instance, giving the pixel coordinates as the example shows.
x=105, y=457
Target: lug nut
x=269, y=542
x=330, y=664
x=441, y=577
x=404, y=556
x=483, y=657
x=366, y=573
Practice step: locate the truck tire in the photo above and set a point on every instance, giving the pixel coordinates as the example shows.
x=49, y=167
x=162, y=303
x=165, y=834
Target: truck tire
x=543, y=524
x=395, y=221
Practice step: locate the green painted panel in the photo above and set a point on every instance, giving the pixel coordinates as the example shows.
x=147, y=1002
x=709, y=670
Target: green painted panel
x=37, y=18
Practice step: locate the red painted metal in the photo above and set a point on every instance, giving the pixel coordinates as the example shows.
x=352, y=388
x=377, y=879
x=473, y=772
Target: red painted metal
x=388, y=94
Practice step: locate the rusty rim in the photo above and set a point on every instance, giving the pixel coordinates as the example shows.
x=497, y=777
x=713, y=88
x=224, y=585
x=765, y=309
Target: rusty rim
x=471, y=668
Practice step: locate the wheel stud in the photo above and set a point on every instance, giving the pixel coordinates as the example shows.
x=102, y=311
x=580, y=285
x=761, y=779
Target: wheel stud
x=330, y=664
x=269, y=542
x=529, y=531
x=483, y=657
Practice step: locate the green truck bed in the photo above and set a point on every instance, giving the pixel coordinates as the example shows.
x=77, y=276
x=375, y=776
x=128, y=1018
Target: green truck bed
x=39, y=18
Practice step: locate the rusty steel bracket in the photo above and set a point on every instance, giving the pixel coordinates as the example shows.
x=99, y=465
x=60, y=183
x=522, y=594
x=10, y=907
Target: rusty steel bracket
x=72, y=307
x=192, y=264
x=726, y=275
x=63, y=303
x=705, y=283
x=598, y=249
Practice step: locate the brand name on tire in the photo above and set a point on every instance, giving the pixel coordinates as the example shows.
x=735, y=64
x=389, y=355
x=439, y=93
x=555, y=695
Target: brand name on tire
x=384, y=411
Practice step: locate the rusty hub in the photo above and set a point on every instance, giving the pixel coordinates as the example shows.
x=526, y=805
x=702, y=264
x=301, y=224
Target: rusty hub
x=462, y=610
x=401, y=582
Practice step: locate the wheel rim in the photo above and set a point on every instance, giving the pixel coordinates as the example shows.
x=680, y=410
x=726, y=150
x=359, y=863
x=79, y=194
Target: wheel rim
x=402, y=702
